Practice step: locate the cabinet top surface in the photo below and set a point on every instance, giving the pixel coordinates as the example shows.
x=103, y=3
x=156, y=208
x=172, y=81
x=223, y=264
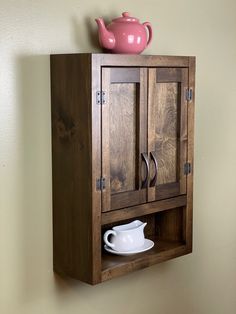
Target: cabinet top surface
x=107, y=59
x=114, y=55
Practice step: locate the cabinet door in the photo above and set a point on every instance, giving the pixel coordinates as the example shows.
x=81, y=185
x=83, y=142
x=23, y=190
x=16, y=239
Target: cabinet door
x=167, y=131
x=124, y=137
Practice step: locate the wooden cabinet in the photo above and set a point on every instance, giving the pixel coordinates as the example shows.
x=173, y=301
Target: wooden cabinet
x=122, y=148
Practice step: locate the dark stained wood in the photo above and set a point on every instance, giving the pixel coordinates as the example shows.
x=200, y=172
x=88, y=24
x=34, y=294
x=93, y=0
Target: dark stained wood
x=72, y=158
x=165, y=228
x=121, y=75
x=183, y=136
x=142, y=131
x=123, y=129
x=168, y=75
x=130, y=198
x=96, y=173
x=122, y=137
x=106, y=193
x=83, y=151
x=140, y=60
x=166, y=124
x=167, y=130
x=170, y=225
x=167, y=190
x=140, y=210
x=151, y=138
x=114, y=266
x=191, y=105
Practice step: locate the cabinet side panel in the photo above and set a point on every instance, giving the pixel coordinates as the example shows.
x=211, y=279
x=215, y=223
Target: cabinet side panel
x=72, y=165
x=191, y=109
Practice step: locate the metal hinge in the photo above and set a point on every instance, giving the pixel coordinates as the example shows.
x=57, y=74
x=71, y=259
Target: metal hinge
x=100, y=97
x=189, y=94
x=100, y=184
x=187, y=168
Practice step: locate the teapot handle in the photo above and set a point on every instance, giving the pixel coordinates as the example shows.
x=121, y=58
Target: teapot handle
x=105, y=238
x=149, y=27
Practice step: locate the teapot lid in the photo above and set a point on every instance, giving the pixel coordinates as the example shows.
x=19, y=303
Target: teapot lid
x=126, y=18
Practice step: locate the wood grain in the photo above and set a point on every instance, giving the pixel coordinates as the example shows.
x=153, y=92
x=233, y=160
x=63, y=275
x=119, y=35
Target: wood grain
x=183, y=134
x=167, y=190
x=167, y=130
x=125, y=74
x=95, y=77
x=73, y=216
x=191, y=108
x=168, y=75
x=90, y=141
x=165, y=228
x=123, y=118
x=140, y=210
x=123, y=146
x=106, y=194
x=170, y=225
x=140, y=60
x=114, y=266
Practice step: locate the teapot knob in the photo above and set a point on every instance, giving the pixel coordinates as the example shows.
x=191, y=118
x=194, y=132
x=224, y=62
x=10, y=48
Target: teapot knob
x=125, y=14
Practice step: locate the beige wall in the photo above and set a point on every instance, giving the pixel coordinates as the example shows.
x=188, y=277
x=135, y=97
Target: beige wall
x=201, y=283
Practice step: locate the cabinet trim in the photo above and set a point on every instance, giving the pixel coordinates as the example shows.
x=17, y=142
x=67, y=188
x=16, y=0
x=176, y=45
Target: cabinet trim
x=144, y=209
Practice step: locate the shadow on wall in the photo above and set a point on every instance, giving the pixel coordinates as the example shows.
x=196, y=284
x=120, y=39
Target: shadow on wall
x=35, y=225
x=34, y=124
x=32, y=89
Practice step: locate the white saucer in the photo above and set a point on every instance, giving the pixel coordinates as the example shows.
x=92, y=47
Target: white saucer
x=148, y=244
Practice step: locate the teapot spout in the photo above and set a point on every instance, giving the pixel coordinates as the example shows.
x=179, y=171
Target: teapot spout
x=106, y=38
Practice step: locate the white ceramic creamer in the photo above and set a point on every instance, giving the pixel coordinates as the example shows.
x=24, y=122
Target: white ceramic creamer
x=126, y=237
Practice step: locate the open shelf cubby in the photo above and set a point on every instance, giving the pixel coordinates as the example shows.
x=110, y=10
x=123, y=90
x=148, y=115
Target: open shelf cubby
x=167, y=229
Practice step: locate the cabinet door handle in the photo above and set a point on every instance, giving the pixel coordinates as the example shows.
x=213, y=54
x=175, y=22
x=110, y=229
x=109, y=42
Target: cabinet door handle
x=145, y=181
x=154, y=179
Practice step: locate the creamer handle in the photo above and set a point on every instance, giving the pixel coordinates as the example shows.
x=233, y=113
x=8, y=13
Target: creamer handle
x=149, y=27
x=105, y=238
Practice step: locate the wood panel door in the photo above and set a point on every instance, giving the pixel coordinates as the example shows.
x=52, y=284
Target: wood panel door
x=125, y=165
x=167, y=131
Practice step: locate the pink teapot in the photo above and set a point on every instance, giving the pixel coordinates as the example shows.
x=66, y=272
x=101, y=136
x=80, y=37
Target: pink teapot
x=124, y=34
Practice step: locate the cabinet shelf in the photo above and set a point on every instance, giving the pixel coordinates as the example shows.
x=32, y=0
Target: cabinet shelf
x=165, y=228
x=122, y=149
x=113, y=265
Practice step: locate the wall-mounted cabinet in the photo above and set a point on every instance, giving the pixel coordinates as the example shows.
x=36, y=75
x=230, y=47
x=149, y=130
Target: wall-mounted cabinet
x=122, y=148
